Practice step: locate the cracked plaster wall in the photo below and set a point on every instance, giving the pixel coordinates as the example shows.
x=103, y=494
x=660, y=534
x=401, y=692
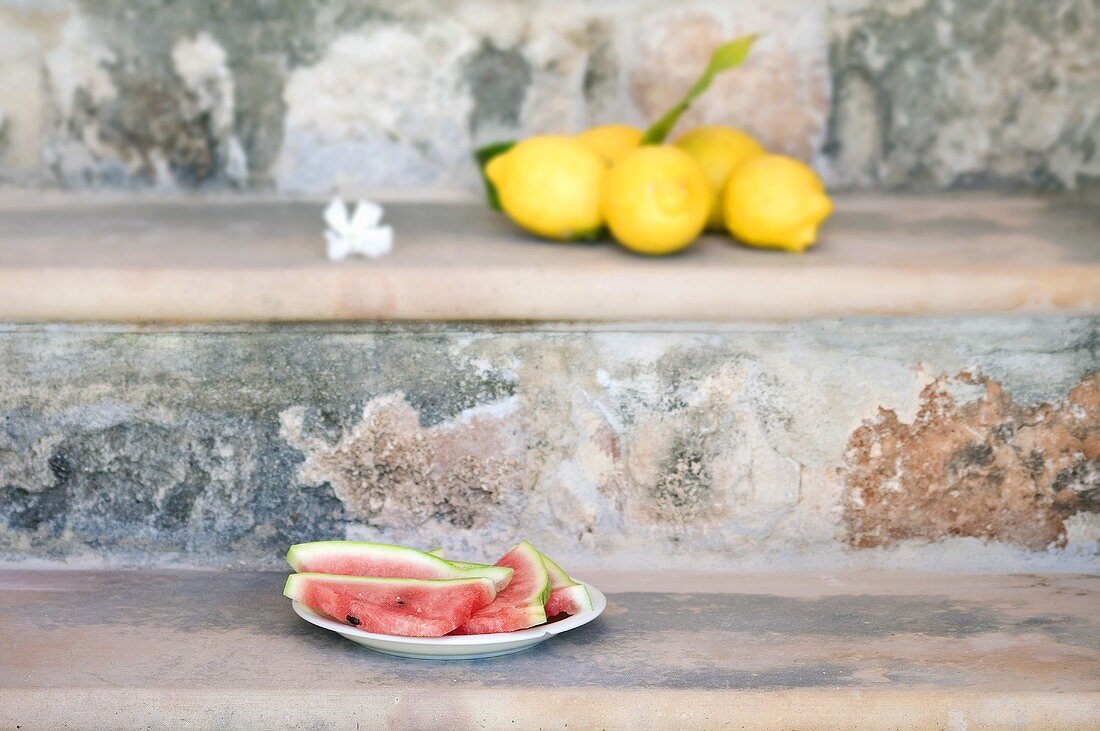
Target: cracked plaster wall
x=742, y=447
x=334, y=95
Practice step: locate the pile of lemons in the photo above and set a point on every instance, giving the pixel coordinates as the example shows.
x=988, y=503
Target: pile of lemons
x=657, y=199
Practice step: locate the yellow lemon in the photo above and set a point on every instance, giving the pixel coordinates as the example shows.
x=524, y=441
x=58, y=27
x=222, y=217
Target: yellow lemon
x=775, y=201
x=719, y=151
x=550, y=185
x=611, y=141
x=656, y=200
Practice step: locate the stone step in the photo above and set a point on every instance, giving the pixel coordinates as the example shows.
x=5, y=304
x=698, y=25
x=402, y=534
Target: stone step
x=698, y=411
x=186, y=260
x=200, y=649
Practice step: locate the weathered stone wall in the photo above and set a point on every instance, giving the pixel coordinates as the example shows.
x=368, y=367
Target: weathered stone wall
x=971, y=442
x=309, y=97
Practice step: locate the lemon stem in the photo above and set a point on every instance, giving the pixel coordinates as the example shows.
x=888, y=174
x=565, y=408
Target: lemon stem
x=727, y=56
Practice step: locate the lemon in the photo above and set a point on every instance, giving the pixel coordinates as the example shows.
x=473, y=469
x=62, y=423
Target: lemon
x=611, y=141
x=719, y=151
x=775, y=201
x=656, y=200
x=550, y=186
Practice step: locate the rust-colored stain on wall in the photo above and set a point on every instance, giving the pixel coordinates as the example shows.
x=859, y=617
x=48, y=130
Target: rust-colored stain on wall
x=389, y=470
x=988, y=468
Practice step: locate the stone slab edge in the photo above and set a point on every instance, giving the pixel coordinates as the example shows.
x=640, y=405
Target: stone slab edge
x=486, y=293
x=158, y=707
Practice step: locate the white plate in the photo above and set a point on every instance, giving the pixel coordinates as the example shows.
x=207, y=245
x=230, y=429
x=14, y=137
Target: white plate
x=458, y=647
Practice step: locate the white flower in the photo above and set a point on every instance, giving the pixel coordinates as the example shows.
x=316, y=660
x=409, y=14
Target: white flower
x=359, y=234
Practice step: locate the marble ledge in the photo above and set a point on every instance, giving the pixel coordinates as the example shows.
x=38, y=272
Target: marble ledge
x=202, y=649
x=226, y=259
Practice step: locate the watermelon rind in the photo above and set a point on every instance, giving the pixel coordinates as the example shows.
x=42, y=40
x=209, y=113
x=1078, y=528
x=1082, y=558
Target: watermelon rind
x=536, y=558
x=546, y=587
x=311, y=554
x=558, y=578
x=461, y=564
x=294, y=580
x=565, y=591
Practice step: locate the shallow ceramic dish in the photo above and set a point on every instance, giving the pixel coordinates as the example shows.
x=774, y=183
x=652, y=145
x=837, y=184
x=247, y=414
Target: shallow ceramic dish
x=458, y=647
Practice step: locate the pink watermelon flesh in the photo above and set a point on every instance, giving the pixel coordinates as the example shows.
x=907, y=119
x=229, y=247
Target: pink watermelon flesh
x=355, y=558
x=404, y=607
x=568, y=600
x=566, y=596
x=521, y=603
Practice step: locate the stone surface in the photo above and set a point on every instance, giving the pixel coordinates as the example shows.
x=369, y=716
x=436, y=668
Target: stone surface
x=86, y=258
x=935, y=94
x=894, y=650
x=982, y=467
x=339, y=95
x=680, y=445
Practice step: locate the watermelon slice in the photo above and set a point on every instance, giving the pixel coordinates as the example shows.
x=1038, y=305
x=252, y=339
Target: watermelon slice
x=566, y=596
x=355, y=558
x=521, y=603
x=405, y=607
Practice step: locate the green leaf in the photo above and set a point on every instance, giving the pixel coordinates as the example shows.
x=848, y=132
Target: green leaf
x=596, y=234
x=483, y=155
x=725, y=57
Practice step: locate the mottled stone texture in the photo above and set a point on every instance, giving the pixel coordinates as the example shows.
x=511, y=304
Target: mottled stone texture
x=977, y=93
x=133, y=629
x=985, y=467
x=310, y=97
x=745, y=445
x=317, y=96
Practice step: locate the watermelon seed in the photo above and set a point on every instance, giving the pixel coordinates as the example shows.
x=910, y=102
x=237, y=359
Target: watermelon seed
x=401, y=602
x=353, y=621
